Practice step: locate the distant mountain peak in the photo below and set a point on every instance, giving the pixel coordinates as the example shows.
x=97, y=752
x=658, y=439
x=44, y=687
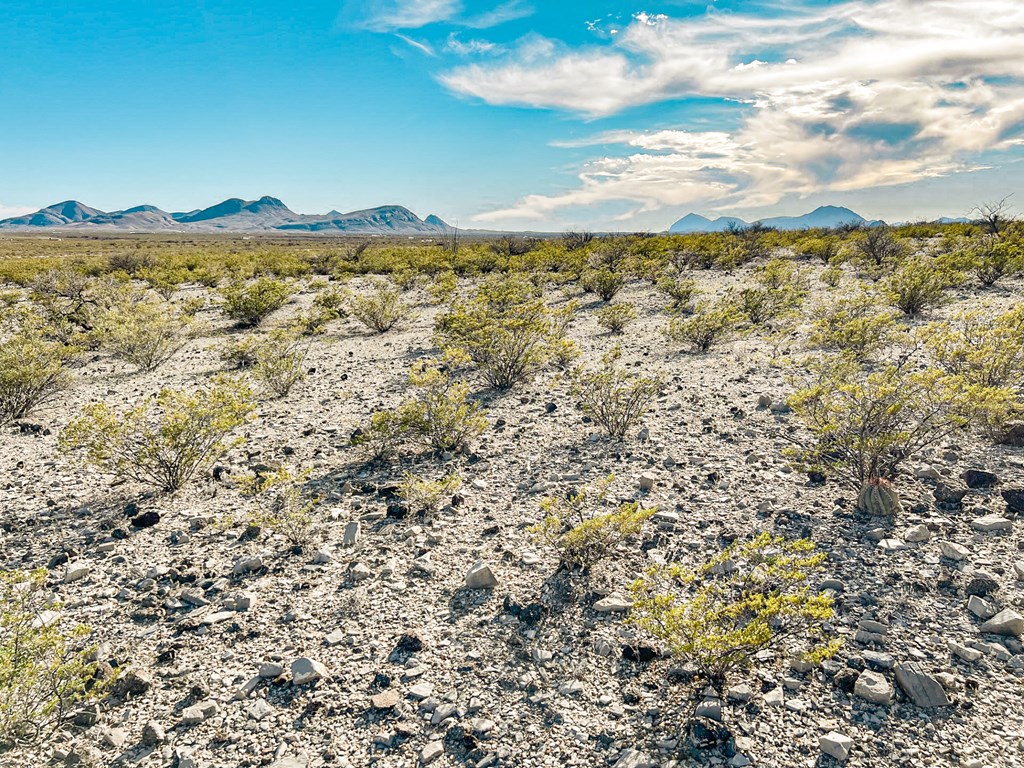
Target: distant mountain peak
x=822, y=217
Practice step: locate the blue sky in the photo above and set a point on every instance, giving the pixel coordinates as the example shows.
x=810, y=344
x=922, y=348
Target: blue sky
x=516, y=113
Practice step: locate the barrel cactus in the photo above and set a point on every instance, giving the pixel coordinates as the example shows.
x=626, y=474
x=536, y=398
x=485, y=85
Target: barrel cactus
x=879, y=498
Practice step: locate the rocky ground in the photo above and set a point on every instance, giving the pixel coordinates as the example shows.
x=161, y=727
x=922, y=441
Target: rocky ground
x=369, y=648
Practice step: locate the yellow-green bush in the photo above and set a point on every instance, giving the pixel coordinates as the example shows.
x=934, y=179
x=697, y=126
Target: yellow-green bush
x=854, y=325
x=142, y=331
x=613, y=398
x=167, y=439
x=916, y=286
x=250, y=303
x=615, y=317
x=582, y=537
x=709, y=325
x=382, y=309
x=681, y=292
x=752, y=597
x=279, y=360
x=282, y=505
x=33, y=371
x=44, y=670
x=424, y=497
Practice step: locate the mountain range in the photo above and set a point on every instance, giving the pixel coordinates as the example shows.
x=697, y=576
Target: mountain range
x=824, y=217
x=233, y=215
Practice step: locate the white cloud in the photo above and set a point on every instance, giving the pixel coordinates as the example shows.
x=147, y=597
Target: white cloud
x=862, y=94
x=413, y=14
x=9, y=211
x=423, y=47
x=469, y=47
x=507, y=11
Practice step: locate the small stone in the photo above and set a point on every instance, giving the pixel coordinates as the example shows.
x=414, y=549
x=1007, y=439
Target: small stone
x=114, y=737
x=431, y=752
x=217, y=618
x=308, y=671
x=873, y=687
x=360, y=572
x=480, y=576
x=962, y=651
x=1018, y=569
x=835, y=744
x=646, y=481
x=979, y=478
x=270, y=670
x=351, y=535
x=980, y=607
x=259, y=709
x=631, y=758
x=248, y=565
x=1014, y=498
x=739, y=693
x=775, y=697
x=917, y=533
x=386, y=699
x=1007, y=622
x=923, y=689
x=153, y=734
x=613, y=603
x=76, y=572
x=953, y=551
x=991, y=524
x=197, y=713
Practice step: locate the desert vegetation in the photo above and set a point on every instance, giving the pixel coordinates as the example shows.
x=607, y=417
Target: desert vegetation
x=679, y=499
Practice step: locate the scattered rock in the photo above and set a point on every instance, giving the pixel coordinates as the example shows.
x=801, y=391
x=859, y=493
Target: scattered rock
x=979, y=478
x=992, y=524
x=1007, y=622
x=873, y=687
x=306, y=670
x=922, y=689
x=480, y=576
x=835, y=744
x=613, y=603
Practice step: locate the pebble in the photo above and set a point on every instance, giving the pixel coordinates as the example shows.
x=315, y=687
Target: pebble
x=305, y=670
x=480, y=576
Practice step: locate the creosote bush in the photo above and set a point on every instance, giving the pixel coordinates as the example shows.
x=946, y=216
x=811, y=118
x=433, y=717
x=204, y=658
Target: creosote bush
x=680, y=291
x=278, y=361
x=751, y=597
x=710, y=324
x=381, y=309
x=143, y=332
x=282, y=505
x=582, y=537
x=854, y=325
x=615, y=399
x=604, y=282
x=250, y=303
x=425, y=497
x=504, y=331
x=44, y=670
x=167, y=439
x=917, y=286
x=615, y=317
x=33, y=371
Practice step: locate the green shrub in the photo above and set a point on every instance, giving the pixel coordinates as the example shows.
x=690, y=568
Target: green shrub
x=279, y=361
x=439, y=415
x=823, y=249
x=604, y=282
x=505, y=332
x=853, y=325
x=250, y=303
x=582, y=537
x=615, y=317
x=425, y=497
x=709, y=325
x=167, y=439
x=614, y=399
x=916, y=287
x=831, y=276
x=143, y=332
x=33, y=371
x=381, y=438
x=752, y=597
x=44, y=670
x=443, y=287
x=779, y=291
x=878, y=251
x=381, y=310
x=865, y=423
x=69, y=301
x=680, y=291
x=993, y=258
x=282, y=505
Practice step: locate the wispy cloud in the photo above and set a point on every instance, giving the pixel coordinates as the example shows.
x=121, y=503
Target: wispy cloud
x=461, y=47
x=393, y=15
x=508, y=11
x=862, y=94
x=422, y=46
x=9, y=211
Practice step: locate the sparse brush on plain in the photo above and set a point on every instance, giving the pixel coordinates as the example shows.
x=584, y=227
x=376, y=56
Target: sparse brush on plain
x=283, y=505
x=439, y=415
x=425, y=497
x=504, y=332
x=854, y=325
x=709, y=325
x=70, y=301
x=167, y=439
x=878, y=251
x=993, y=258
x=681, y=292
x=44, y=669
x=33, y=370
x=615, y=399
x=382, y=308
x=279, y=360
x=583, y=537
x=249, y=303
x=779, y=290
x=143, y=331
x=604, y=282
x=615, y=317
x=917, y=286
x=824, y=249
x=831, y=276
x=865, y=422
x=328, y=305
x=752, y=597
x=443, y=287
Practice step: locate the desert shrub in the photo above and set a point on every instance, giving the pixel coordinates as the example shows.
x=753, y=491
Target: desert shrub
x=575, y=240
x=709, y=325
x=779, y=290
x=381, y=438
x=443, y=287
x=615, y=399
x=439, y=415
x=328, y=305
x=282, y=505
x=582, y=537
x=864, y=423
x=993, y=258
x=44, y=670
x=752, y=597
x=382, y=309
x=424, y=497
x=240, y=353
x=853, y=325
x=823, y=249
x=130, y=262
x=69, y=302
x=33, y=371
x=279, y=361
x=604, y=282
x=166, y=439
x=504, y=331
x=564, y=352
x=916, y=286
x=615, y=317
x=679, y=290
x=831, y=276
x=143, y=332
x=250, y=303
x=878, y=251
